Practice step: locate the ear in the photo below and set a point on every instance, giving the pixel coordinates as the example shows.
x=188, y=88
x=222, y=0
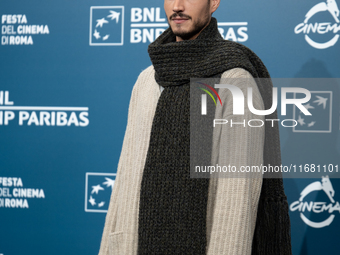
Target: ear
x=214, y=5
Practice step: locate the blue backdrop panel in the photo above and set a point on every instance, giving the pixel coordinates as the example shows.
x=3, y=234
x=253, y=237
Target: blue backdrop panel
x=67, y=71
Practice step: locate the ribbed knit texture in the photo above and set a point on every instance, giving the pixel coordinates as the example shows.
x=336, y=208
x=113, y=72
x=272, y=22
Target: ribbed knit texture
x=173, y=207
x=232, y=203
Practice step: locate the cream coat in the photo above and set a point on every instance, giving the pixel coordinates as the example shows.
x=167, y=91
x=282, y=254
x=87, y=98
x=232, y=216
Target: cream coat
x=232, y=202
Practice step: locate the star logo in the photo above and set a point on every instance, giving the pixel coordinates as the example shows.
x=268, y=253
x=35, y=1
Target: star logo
x=301, y=121
x=92, y=201
x=109, y=182
x=96, y=34
x=101, y=22
x=311, y=124
x=95, y=189
x=98, y=191
x=320, y=106
x=307, y=106
x=106, y=25
x=321, y=100
x=114, y=15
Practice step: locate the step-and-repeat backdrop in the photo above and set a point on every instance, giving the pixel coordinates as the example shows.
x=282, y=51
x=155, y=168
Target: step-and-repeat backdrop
x=67, y=71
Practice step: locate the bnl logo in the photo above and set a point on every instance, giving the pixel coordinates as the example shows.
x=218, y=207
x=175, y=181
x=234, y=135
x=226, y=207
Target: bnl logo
x=98, y=189
x=320, y=121
x=107, y=25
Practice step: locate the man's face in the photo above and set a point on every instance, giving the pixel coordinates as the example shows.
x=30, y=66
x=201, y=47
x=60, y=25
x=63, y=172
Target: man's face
x=187, y=18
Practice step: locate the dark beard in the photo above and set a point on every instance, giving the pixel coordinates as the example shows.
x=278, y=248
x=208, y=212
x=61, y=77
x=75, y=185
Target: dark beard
x=198, y=27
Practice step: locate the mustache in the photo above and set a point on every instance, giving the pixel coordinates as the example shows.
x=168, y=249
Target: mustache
x=179, y=14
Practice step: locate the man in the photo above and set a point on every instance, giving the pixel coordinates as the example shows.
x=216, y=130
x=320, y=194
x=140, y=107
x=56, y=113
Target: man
x=156, y=208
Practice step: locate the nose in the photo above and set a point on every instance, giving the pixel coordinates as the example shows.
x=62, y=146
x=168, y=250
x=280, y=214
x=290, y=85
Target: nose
x=178, y=6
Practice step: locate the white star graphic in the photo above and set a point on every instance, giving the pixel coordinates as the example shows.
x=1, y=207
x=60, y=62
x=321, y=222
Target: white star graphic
x=114, y=15
x=301, y=121
x=92, y=201
x=321, y=100
x=95, y=189
x=109, y=182
x=101, y=204
x=100, y=22
x=96, y=34
x=311, y=124
x=105, y=37
x=308, y=106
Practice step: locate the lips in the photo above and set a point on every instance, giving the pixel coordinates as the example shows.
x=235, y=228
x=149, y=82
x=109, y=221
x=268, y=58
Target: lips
x=179, y=20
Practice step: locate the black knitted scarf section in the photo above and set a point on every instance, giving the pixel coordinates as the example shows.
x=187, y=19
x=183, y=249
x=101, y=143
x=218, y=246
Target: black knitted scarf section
x=173, y=206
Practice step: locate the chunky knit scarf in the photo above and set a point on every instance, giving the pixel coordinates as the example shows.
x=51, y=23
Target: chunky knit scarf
x=173, y=206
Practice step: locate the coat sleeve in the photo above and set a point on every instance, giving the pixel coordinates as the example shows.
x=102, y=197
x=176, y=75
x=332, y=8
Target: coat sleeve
x=232, y=202
x=111, y=216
